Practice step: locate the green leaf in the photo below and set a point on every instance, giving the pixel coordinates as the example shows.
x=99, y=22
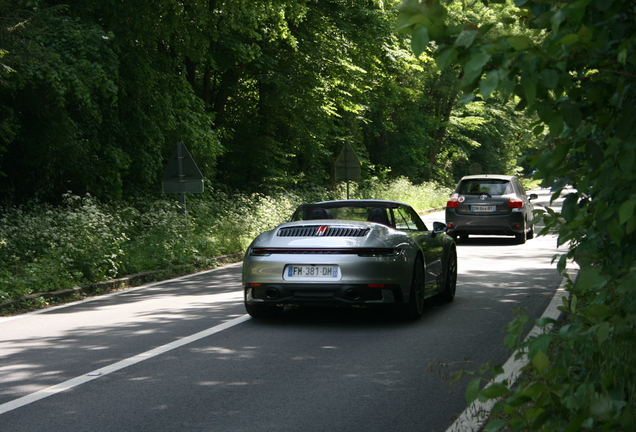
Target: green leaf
x=572, y=114
x=419, y=40
x=615, y=231
x=539, y=343
x=472, y=390
x=529, y=84
x=540, y=361
x=556, y=125
x=494, y=391
x=478, y=61
x=598, y=312
x=586, y=34
x=601, y=406
x=569, y=330
x=445, y=58
x=407, y=21
x=474, y=66
x=549, y=78
x=556, y=20
x=489, y=84
x=628, y=418
x=495, y=425
x=506, y=87
x=545, y=321
x=626, y=211
x=545, y=110
x=558, y=155
x=590, y=279
x=569, y=39
x=519, y=43
x=603, y=332
x=570, y=206
x=562, y=263
x=466, y=38
x=574, y=303
x=466, y=98
x=535, y=389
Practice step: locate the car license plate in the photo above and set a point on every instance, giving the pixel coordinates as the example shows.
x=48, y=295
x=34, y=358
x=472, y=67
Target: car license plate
x=312, y=272
x=482, y=208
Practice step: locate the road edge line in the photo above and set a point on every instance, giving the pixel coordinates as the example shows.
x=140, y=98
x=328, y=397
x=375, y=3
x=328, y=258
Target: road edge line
x=475, y=416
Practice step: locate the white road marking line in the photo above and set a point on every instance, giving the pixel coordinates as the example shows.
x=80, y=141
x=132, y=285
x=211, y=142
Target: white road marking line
x=74, y=382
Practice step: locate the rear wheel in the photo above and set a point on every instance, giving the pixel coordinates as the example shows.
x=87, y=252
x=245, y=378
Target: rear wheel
x=415, y=307
x=263, y=311
x=521, y=237
x=530, y=234
x=450, y=281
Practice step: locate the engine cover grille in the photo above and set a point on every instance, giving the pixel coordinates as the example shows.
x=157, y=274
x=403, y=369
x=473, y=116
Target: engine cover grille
x=322, y=231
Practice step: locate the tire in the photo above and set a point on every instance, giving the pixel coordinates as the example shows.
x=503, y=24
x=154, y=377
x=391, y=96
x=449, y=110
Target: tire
x=263, y=311
x=415, y=307
x=450, y=280
x=530, y=234
x=521, y=238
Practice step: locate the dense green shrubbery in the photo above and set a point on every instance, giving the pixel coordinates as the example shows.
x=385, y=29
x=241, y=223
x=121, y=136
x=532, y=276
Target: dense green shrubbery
x=46, y=248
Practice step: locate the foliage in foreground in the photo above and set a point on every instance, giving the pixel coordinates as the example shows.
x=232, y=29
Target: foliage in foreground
x=575, y=68
x=47, y=248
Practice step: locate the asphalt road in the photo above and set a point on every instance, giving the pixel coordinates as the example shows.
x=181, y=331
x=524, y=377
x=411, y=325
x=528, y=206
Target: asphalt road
x=181, y=355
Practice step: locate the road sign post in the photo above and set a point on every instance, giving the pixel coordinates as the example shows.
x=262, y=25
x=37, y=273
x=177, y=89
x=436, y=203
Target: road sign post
x=347, y=166
x=182, y=175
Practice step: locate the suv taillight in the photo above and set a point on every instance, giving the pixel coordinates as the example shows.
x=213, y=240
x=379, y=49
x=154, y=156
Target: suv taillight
x=515, y=203
x=452, y=203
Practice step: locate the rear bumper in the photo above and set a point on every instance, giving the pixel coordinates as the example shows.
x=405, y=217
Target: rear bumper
x=509, y=224
x=322, y=294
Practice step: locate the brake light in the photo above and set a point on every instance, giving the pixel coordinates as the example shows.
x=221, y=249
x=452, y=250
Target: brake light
x=452, y=203
x=515, y=203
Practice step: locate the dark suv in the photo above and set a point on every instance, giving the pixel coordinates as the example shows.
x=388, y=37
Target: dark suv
x=490, y=204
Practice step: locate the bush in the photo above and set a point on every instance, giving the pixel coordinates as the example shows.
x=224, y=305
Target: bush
x=46, y=248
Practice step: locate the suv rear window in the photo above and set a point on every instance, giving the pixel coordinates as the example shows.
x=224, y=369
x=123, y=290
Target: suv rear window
x=479, y=186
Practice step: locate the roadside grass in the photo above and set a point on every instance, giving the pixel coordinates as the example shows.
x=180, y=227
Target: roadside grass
x=47, y=248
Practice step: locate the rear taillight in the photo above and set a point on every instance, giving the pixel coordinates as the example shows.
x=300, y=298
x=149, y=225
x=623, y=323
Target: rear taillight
x=515, y=203
x=452, y=203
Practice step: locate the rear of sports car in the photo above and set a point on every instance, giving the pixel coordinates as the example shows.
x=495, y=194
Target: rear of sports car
x=333, y=263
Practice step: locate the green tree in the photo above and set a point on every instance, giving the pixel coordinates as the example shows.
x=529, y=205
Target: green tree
x=305, y=95
x=88, y=110
x=264, y=94
x=574, y=67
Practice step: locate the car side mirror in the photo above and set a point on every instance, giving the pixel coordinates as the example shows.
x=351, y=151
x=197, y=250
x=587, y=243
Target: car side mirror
x=439, y=228
x=533, y=197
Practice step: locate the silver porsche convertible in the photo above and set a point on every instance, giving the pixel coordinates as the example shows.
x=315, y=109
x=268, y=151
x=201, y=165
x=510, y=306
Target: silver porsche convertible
x=360, y=253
